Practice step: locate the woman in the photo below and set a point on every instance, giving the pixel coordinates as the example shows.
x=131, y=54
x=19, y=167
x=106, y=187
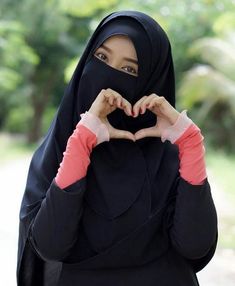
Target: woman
x=117, y=192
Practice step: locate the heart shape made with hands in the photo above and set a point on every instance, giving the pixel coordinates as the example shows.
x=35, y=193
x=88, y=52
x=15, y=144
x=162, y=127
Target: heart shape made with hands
x=167, y=116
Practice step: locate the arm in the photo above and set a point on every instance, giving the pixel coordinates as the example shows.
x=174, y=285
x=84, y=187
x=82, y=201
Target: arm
x=89, y=132
x=55, y=227
x=194, y=226
x=187, y=136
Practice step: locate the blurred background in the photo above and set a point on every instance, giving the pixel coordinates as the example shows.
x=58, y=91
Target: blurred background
x=40, y=45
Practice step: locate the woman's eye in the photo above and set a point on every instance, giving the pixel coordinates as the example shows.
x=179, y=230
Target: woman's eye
x=102, y=57
x=128, y=69
x=131, y=70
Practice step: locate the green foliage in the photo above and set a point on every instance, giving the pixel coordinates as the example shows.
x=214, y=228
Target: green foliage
x=225, y=23
x=209, y=89
x=16, y=57
x=18, y=118
x=41, y=43
x=47, y=118
x=221, y=168
x=70, y=69
x=17, y=63
x=219, y=53
x=80, y=8
x=9, y=80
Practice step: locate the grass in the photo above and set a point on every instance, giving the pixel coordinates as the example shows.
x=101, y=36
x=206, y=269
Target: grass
x=222, y=167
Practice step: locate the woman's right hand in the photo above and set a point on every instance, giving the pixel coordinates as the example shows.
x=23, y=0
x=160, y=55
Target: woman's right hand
x=105, y=103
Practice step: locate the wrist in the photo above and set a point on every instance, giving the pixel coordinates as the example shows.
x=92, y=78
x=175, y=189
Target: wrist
x=95, y=113
x=94, y=123
x=174, y=117
x=173, y=132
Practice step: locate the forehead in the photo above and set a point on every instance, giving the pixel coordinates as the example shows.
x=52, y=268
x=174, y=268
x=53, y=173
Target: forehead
x=135, y=34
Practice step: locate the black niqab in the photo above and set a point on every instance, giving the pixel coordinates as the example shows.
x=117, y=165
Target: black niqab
x=123, y=160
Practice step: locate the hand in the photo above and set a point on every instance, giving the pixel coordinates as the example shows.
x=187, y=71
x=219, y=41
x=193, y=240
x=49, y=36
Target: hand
x=105, y=103
x=165, y=112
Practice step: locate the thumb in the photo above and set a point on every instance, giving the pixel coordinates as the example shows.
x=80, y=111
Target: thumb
x=148, y=132
x=122, y=134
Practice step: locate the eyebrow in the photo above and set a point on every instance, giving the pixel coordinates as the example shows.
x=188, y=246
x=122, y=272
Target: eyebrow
x=125, y=58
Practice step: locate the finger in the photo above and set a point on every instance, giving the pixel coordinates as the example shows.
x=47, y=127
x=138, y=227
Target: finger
x=119, y=102
x=116, y=97
x=147, y=132
x=122, y=134
x=106, y=96
x=103, y=95
x=137, y=105
x=152, y=106
x=114, y=93
x=144, y=104
x=110, y=98
x=157, y=101
x=126, y=106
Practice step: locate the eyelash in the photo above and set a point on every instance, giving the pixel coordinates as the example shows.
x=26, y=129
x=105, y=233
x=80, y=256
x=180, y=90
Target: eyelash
x=96, y=54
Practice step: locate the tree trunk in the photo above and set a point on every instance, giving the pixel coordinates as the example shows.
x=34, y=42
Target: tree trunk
x=39, y=101
x=35, y=130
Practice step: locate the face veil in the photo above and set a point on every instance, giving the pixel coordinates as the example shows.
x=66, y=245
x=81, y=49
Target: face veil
x=156, y=73
x=120, y=170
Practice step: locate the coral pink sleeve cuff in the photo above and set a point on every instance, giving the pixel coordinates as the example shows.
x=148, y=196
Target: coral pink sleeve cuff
x=93, y=122
x=89, y=132
x=192, y=155
x=76, y=156
x=173, y=132
x=187, y=135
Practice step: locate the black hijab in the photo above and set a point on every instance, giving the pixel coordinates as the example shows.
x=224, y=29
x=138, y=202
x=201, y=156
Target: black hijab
x=118, y=161
x=118, y=168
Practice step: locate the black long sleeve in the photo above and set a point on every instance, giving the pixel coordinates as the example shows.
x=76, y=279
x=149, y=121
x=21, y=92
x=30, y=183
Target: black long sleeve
x=55, y=227
x=194, y=226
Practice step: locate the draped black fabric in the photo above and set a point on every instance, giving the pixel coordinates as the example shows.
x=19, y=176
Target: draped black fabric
x=120, y=169
x=124, y=159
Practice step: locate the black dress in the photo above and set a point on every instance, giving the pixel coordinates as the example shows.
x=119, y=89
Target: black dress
x=163, y=248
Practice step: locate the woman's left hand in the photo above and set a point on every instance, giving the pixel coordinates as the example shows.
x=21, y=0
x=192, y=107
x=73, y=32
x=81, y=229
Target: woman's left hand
x=165, y=112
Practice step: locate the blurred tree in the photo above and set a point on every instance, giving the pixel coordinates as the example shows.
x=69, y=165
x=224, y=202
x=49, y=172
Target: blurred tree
x=55, y=32
x=89, y=8
x=209, y=89
x=184, y=21
x=17, y=62
x=47, y=34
